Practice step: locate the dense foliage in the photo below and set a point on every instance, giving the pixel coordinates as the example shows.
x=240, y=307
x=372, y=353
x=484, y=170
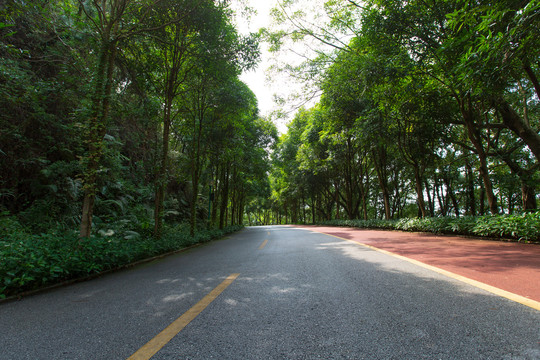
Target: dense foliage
x=124, y=119
x=425, y=111
x=125, y=130
x=126, y=112
x=32, y=261
x=523, y=228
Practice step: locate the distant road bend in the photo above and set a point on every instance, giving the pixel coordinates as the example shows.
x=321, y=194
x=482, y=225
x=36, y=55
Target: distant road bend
x=273, y=292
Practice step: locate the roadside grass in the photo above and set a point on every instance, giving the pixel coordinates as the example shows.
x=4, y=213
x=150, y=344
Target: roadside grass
x=522, y=228
x=30, y=262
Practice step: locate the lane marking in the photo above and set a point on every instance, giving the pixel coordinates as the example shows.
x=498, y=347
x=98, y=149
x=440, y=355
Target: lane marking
x=158, y=342
x=263, y=244
x=492, y=289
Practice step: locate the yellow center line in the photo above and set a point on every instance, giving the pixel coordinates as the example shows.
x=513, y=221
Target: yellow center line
x=263, y=244
x=158, y=342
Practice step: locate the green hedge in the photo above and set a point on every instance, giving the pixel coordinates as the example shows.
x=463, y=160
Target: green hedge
x=523, y=228
x=31, y=262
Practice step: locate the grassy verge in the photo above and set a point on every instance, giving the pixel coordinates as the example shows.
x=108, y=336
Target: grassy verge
x=30, y=262
x=522, y=228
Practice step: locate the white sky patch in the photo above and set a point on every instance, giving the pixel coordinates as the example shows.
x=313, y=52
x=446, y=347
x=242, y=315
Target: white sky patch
x=256, y=79
x=270, y=85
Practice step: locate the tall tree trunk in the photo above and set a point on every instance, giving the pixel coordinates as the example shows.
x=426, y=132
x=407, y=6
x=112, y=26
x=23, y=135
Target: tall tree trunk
x=450, y=192
x=419, y=191
x=97, y=128
x=430, y=199
x=440, y=198
x=214, y=199
x=476, y=140
x=162, y=173
x=196, y=170
x=482, y=199
x=383, y=181
x=528, y=195
x=471, y=198
x=224, y=196
x=194, y=199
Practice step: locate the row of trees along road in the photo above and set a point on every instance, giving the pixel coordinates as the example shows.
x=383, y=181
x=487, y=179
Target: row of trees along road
x=427, y=108
x=129, y=110
x=129, y=114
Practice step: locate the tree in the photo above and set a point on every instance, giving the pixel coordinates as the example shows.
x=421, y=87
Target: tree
x=178, y=47
x=406, y=61
x=114, y=21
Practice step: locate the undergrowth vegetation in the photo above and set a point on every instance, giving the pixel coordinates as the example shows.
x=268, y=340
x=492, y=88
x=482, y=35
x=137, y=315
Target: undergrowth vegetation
x=32, y=261
x=523, y=228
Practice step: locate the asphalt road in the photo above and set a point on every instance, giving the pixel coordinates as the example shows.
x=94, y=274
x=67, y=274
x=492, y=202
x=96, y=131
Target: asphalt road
x=295, y=294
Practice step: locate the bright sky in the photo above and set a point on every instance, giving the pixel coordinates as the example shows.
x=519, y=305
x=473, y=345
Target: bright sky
x=256, y=79
x=281, y=85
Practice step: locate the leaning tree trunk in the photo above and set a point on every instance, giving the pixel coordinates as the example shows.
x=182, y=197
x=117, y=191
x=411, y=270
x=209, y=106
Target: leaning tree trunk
x=514, y=122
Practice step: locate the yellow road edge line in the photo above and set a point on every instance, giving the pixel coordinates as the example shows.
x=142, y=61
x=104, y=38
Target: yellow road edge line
x=161, y=339
x=263, y=244
x=492, y=289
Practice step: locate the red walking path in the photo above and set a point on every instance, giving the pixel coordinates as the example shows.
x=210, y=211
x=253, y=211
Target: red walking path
x=512, y=267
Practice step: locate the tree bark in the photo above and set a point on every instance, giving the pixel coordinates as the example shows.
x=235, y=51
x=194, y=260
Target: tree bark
x=450, y=192
x=476, y=140
x=515, y=123
x=224, y=196
x=97, y=129
x=528, y=197
x=470, y=189
x=379, y=164
x=419, y=191
x=162, y=173
x=533, y=78
x=528, y=194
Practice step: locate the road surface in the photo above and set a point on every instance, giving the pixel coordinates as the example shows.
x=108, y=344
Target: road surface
x=271, y=293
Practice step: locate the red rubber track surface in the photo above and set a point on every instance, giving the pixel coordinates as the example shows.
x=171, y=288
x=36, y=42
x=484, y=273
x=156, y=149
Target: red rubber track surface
x=513, y=267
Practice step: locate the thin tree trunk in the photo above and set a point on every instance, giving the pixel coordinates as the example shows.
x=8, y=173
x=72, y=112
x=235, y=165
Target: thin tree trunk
x=224, y=197
x=470, y=189
x=430, y=199
x=419, y=191
x=450, y=191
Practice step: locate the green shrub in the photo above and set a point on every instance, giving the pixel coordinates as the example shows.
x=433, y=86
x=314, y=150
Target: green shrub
x=524, y=227
x=33, y=261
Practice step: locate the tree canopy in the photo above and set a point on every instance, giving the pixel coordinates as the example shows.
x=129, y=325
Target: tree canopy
x=129, y=116
x=424, y=110
x=129, y=110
